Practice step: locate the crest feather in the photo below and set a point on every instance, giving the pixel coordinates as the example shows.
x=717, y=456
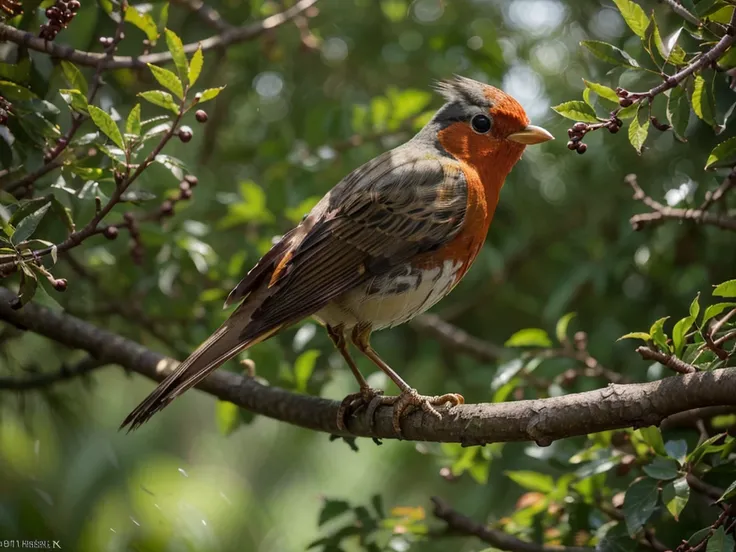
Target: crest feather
x=464, y=90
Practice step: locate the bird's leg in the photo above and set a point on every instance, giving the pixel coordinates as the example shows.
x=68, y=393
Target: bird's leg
x=409, y=396
x=366, y=393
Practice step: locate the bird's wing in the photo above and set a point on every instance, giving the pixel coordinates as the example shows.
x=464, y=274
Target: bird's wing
x=384, y=213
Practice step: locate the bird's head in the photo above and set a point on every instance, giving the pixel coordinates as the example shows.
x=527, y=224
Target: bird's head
x=483, y=125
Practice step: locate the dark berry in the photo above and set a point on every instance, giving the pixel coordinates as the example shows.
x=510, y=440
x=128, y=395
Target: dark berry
x=193, y=180
x=74, y=5
x=185, y=134
x=52, y=13
x=582, y=147
x=579, y=127
x=185, y=194
x=201, y=116
x=613, y=129
x=111, y=232
x=625, y=102
x=60, y=284
x=183, y=185
x=572, y=145
x=167, y=208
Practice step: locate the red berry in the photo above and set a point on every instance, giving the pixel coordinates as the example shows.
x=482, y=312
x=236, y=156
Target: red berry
x=185, y=134
x=201, y=116
x=582, y=147
x=579, y=127
x=111, y=232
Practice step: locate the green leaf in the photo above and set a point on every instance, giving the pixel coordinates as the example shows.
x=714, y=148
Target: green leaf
x=303, y=368
x=168, y=80
x=636, y=335
x=634, y=16
x=603, y=92
x=195, y=66
x=28, y=225
x=702, y=100
x=160, y=98
x=25, y=208
x=28, y=284
x=74, y=77
x=561, y=327
x=726, y=289
x=532, y=480
x=64, y=214
x=703, y=448
x=614, y=538
x=105, y=123
x=720, y=541
x=74, y=99
x=529, y=337
x=677, y=450
x=723, y=152
x=715, y=310
x=678, y=111
x=658, y=335
x=133, y=124
x=675, y=496
x=679, y=331
x=609, y=53
x=177, y=53
x=228, y=417
x=209, y=94
x=144, y=21
x=653, y=437
x=695, y=306
x=661, y=468
x=729, y=493
x=639, y=503
x=577, y=111
x=15, y=92
x=638, y=130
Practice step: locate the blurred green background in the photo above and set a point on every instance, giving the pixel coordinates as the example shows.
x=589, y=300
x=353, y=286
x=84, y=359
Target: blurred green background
x=280, y=135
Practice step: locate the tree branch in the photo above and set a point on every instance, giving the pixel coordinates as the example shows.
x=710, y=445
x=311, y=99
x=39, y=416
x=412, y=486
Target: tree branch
x=661, y=212
x=40, y=380
x=226, y=38
x=670, y=361
x=459, y=523
x=540, y=420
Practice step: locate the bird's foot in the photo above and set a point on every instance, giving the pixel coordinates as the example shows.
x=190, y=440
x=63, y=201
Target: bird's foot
x=365, y=397
x=409, y=399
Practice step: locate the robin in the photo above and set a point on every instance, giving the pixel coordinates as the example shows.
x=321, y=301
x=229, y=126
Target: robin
x=384, y=245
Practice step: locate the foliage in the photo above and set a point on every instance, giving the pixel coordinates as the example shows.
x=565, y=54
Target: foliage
x=145, y=191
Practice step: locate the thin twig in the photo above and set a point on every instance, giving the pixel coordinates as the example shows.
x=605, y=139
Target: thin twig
x=207, y=14
x=456, y=338
x=233, y=36
x=662, y=212
x=670, y=361
x=458, y=523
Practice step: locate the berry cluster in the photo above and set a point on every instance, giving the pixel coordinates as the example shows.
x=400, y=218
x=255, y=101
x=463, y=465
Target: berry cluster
x=59, y=16
x=4, y=110
x=185, y=193
x=11, y=8
x=579, y=130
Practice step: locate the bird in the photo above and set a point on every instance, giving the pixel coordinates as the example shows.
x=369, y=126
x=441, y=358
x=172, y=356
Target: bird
x=385, y=244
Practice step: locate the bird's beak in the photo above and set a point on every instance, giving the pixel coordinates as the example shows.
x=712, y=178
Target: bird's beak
x=531, y=135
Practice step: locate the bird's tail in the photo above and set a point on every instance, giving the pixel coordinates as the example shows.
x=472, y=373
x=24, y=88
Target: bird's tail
x=220, y=347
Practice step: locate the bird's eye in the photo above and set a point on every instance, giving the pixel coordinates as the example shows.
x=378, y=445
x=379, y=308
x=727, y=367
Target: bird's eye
x=481, y=124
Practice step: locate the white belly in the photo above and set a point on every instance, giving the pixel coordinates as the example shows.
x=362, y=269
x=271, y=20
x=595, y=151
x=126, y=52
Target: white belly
x=393, y=298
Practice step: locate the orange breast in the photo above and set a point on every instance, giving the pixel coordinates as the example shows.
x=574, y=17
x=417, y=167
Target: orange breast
x=467, y=244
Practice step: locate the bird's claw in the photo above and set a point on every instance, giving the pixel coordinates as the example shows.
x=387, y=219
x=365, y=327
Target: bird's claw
x=365, y=397
x=409, y=399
